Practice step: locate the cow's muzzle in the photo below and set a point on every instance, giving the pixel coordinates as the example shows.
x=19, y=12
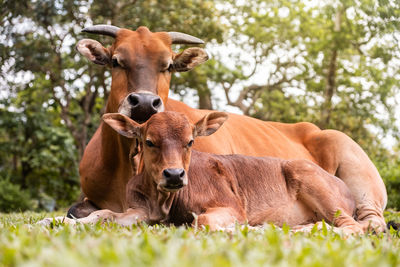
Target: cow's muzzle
x=141, y=106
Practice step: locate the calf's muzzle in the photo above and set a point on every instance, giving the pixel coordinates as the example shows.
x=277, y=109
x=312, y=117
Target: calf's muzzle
x=174, y=178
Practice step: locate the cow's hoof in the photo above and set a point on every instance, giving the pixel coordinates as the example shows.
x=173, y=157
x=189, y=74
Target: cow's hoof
x=57, y=220
x=45, y=222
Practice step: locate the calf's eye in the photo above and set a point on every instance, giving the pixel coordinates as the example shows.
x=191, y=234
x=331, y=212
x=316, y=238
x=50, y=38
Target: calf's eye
x=190, y=143
x=149, y=143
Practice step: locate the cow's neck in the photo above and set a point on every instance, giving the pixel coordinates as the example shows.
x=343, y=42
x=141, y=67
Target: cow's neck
x=114, y=147
x=115, y=153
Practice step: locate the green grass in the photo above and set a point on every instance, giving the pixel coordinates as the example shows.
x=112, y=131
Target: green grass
x=23, y=243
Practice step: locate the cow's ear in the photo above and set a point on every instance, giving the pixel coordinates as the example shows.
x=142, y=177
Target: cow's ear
x=210, y=123
x=189, y=59
x=94, y=51
x=123, y=124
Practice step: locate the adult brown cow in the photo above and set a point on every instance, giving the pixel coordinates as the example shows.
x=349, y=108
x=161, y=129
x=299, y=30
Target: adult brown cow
x=222, y=190
x=142, y=63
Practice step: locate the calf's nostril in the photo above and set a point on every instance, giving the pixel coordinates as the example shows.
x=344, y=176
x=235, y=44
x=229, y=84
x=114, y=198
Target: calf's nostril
x=182, y=174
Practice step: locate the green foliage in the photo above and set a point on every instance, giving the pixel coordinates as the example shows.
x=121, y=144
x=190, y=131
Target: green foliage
x=390, y=172
x=322, y=63
x=12, y=198
x=37, y=155
x=22, y=242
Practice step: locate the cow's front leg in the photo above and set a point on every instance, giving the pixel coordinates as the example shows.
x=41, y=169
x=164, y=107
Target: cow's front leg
x=130, y=217
x=219, y=218
x=99, y=215
x=81, y=209
x=59, y=219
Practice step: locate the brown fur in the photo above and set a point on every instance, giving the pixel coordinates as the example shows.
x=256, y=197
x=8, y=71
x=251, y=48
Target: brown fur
x=105, y=168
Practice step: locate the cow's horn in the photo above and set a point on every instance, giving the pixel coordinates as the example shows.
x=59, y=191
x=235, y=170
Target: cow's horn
x=183, y=38
x=103, y=29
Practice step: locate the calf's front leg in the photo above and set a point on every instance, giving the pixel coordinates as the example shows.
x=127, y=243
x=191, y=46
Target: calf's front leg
x=219, y=218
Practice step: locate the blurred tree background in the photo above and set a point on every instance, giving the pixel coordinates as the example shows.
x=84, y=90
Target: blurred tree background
x=336, y=64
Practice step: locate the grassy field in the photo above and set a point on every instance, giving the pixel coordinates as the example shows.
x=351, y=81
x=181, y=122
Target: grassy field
x=23, y=243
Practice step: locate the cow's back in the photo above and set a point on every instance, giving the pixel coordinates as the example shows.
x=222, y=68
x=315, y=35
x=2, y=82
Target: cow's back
x=248, y=136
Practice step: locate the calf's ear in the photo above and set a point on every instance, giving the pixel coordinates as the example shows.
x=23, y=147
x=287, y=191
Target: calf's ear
x=93, y=51
x=122, y=124
x=189, y=59
x=210, y=123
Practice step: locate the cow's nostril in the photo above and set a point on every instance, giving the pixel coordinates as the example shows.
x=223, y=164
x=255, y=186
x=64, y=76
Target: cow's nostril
x=182, y=173
x=156, y=103
x=133, y=100
x=166, y=173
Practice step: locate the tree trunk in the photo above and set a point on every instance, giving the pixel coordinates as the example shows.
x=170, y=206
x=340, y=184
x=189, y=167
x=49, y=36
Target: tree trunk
x=330, y=89
x=205, y=98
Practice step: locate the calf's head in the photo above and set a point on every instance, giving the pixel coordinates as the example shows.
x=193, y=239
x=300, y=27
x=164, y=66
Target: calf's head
x=141, y=64
x=167, y=138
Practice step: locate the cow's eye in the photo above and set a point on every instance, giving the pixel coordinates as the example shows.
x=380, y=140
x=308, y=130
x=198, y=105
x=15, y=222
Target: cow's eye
x=149, y=143
x=190, y=143
x=167, y=68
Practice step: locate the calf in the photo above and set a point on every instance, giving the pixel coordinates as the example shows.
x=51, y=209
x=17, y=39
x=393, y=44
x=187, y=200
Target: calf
x=175, y=182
